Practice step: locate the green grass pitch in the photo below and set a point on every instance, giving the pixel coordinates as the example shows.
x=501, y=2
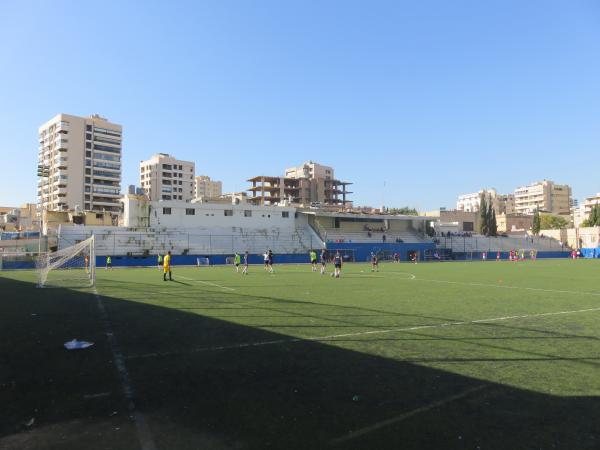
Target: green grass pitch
x=428, y=356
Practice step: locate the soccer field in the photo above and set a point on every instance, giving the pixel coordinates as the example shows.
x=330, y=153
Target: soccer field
x=495, y=355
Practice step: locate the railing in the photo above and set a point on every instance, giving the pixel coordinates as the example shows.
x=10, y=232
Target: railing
x=181, y=242
x=487, y=244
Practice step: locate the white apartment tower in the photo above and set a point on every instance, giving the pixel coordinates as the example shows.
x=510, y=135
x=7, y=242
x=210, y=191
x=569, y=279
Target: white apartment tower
x=164, y=177
x=207, y=188
x=81, y=162
x=545, y=196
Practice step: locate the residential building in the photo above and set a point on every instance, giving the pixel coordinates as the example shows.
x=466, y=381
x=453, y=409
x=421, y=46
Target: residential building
x=164, y=177
x=502, y=203
x=311, y=184
x=79, y=164
x=544, y=196
x=207, y=188
x=589, y=203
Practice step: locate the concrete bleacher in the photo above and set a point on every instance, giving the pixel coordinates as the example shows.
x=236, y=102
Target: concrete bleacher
x=477, y=243
x=213, y=241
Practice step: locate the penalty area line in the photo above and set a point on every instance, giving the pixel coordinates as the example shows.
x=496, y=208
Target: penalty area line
x=208, y=283
x=333, y=337
x=501, y=286
x=406, y=415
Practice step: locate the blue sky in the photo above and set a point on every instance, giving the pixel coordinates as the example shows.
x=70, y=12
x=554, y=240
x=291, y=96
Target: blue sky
x=434, y=98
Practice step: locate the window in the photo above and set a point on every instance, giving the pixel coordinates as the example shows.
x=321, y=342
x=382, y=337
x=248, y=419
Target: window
x=107, y=149
x=190, y=212
x=167, y=166
x=87, y=206
x=180, y=198
x=88, y=171
x=180, y=167
x=166, y=211
x=88, y=145
x=88, y=136
x=228, y=212
x=88, y=154
x=285, y=214
x=87, y=180
x=247, y=213
x=88, y=128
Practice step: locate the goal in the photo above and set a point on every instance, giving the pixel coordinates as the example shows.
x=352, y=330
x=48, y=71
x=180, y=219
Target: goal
x=527, y=253
x=69, y=267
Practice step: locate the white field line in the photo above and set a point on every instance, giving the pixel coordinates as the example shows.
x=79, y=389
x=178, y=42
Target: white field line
x=406, y=415
x=501, y=286
x=141, y=426
x=360, y=333
x=207, y=282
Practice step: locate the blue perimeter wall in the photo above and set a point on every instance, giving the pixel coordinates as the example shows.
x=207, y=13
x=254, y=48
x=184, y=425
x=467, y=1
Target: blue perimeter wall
x=491, y=256
x=590, y=252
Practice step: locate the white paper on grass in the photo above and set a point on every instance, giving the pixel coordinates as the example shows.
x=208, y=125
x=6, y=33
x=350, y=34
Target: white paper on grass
x=76, y=345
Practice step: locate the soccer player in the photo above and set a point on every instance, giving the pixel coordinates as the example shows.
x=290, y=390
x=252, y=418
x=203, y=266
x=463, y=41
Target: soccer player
x=270, y=261
x=396, y=257
x=236, y=261
x=86, y=263
x=498, y=256
x=337, y=264
x=484, y=256
x=266, y=260
x=167, y=267
x=374, y=263
x=323, y=261
x=159, y=261
x=313, y=260
x=108, y=263
x=246, y=256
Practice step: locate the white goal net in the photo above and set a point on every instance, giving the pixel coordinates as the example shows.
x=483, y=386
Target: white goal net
x=73, y=266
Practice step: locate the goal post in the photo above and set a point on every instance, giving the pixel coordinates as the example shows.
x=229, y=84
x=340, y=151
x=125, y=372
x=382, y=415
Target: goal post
x=74, y=266
x=527, y=253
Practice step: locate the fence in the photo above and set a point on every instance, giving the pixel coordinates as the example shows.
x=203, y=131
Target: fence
x=466, y=244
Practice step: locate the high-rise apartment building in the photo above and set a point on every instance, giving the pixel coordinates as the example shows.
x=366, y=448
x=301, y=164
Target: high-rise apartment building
x=80, y=158
x=544, y=196
x=164, y=177
x=207, y=188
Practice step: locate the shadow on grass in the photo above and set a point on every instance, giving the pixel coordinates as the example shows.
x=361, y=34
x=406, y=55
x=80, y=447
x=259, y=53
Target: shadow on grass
x=292, y=395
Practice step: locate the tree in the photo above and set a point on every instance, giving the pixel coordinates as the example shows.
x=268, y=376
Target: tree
x=406, y=211
x=493, y=226
x=594, y=219
x=553, y=222
x=536, y=226
x=483, y=217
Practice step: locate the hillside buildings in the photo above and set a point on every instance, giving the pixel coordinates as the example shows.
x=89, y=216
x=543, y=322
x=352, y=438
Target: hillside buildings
x=164, y=177
x=79, y=164
x=502, y=203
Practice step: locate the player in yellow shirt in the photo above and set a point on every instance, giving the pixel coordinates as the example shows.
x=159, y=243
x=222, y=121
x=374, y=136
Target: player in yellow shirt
x=167, y=267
